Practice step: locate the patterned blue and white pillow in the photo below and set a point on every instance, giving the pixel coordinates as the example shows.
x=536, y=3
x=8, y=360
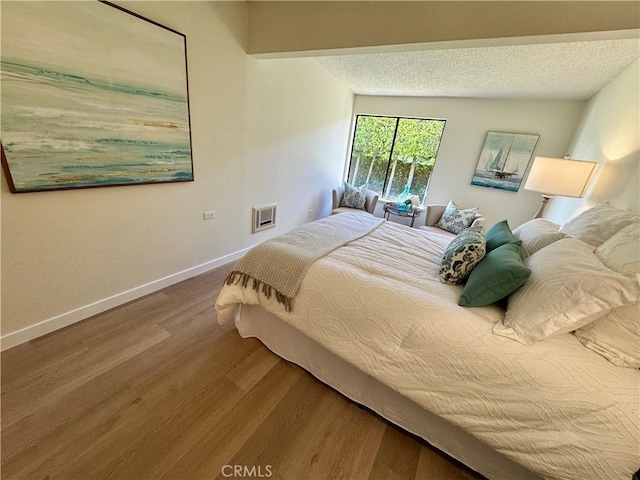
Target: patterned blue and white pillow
x=354, y=197
x=463, y=253
x=454, y=220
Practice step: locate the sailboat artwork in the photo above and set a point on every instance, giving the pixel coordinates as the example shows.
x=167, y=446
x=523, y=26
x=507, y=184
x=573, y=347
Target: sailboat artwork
x=503, y=160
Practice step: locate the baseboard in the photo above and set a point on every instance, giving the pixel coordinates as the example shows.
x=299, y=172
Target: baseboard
x=60, y=321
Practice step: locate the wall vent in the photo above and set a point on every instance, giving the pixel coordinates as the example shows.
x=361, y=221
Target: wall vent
x=264, y=216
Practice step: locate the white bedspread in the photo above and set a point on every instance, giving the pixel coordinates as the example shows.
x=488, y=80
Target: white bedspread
x=555, y=407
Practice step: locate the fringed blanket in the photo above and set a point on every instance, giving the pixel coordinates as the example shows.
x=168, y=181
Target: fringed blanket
x=278, y=266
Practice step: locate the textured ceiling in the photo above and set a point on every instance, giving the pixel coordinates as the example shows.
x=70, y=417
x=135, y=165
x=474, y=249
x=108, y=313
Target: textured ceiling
x=572, y=70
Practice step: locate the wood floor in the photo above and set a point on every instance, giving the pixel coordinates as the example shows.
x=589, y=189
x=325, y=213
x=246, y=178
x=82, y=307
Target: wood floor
x=157, y=389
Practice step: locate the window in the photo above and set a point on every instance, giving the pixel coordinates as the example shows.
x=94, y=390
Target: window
x=390, y=152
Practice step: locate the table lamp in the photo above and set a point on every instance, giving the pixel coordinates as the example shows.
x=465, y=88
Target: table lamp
x=563, y=177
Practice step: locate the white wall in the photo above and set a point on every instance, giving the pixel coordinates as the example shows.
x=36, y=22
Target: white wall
x=609, y=133
x=468, y=121
x=297, y=122
x=263, y=131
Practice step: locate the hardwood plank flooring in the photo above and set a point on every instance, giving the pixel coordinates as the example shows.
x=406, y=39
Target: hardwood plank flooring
x=156, y=389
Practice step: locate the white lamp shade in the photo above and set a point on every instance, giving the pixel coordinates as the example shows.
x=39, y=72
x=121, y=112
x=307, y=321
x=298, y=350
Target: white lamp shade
x=560, y=176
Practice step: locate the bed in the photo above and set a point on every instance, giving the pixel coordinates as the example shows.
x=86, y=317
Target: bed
x=372, y=319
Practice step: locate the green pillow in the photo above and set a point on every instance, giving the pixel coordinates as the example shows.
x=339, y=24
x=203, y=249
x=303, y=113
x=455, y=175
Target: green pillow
x=500, y=273
x=498, y=235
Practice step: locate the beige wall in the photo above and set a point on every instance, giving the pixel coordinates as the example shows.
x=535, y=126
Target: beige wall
x=278, y=27
x=609, y=133
x=468, y=121
x=263, y=131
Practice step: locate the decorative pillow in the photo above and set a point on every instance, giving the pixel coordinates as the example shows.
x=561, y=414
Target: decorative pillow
x=463, y=253
x=622, y=251
x=569, y=287
x=499, y=235
x=536, y=234
x=500, y=273
x=454, y=220
x=616, y=336
x=354, y=197
x=598, y=224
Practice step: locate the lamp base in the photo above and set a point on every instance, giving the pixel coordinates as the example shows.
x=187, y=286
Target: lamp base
x=545, y=200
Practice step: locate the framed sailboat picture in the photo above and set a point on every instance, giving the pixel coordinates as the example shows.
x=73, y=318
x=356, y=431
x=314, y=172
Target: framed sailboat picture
x=503, y=160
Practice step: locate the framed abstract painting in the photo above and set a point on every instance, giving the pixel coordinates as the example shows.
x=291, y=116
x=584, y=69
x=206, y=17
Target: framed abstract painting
x=503, y=160
x=92, y=95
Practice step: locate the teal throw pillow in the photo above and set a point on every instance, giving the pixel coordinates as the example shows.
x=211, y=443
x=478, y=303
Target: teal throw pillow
x=354, y=197
x=498, y=235
x=463, y=253
x=500, y=273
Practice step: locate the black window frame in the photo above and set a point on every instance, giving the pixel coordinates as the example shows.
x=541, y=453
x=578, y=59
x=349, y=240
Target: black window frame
x=395, y=133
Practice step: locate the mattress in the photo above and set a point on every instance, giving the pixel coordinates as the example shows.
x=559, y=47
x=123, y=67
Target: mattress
x=290, y=344
x=555, y=407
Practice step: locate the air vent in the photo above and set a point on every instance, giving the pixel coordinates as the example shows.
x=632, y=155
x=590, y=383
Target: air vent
x=264, y=217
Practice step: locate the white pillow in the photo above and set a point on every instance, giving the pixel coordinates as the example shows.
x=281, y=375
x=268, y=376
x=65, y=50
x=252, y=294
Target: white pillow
x=622, y=251
x=616, y=336
x=537, y=234
x=568, y=288
x=598, y=224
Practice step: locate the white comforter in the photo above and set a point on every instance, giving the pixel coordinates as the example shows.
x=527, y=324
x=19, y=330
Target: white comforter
x=555, y=407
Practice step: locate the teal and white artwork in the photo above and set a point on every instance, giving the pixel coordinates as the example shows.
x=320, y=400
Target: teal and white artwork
x=504, y=160
x=92, y=95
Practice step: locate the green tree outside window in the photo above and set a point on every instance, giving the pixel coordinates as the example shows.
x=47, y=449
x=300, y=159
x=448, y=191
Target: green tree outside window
x=391, y=152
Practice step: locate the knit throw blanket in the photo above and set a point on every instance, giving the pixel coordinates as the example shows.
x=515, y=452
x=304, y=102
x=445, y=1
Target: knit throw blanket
x=278, y=266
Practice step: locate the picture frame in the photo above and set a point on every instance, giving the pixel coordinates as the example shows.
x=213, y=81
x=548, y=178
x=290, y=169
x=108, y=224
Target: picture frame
x=503, y=160
x=93, y=95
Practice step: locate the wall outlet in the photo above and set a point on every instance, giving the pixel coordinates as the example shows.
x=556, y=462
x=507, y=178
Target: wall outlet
x=210, y=215
x=310, y=213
